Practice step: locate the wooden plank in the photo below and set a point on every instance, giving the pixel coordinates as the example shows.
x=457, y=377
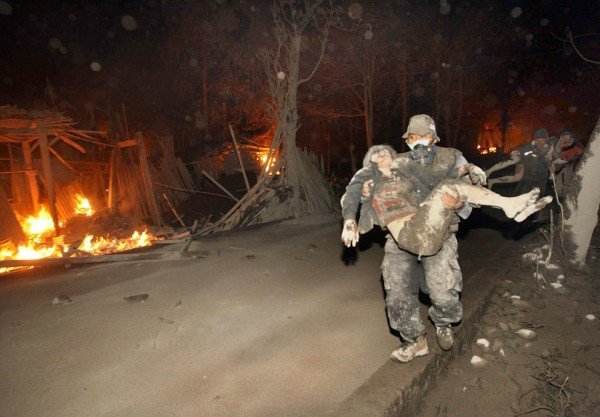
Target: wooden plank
x=100, y=259
x=237, y=151
x=9, y=226
x=111, y=181
x=193, y=231
x=73, y=144
x=127, y=143
x=218, y=184
x=179, y=219
x=49, y=179
x=60, y=158
x=147, y=177
x=34, y=191
x=52, y=142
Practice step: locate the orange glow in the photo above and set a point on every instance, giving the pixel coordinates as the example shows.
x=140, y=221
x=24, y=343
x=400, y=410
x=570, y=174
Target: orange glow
x=38, y=225
x=83, y=206
x=487, y=140
x=262, y=158
x=103, y=245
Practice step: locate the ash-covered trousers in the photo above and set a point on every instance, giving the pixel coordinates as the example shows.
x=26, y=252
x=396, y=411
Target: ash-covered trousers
x=402, y=279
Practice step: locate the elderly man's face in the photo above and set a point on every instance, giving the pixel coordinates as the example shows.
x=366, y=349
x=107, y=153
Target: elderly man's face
x=383, y=159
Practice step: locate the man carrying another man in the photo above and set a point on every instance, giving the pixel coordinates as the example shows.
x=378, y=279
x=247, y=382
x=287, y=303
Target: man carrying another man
x=428, y=165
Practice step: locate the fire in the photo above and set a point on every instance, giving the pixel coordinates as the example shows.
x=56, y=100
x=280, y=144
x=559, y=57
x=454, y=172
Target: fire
x=263, y=158
x=83, y=206
x=39, y=225
x=485, y=151
x=103, y=245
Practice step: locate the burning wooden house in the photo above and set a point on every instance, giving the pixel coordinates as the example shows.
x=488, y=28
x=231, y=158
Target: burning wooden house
x=45, y=184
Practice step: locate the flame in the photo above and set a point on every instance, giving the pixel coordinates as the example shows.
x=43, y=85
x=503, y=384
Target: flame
x=485, y=151
x=39, y=225
x=83, y=205
x=263, y=159
x=103, y=245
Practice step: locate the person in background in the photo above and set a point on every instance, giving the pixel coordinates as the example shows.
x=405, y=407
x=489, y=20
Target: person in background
x=533, y=161
x=567, y=152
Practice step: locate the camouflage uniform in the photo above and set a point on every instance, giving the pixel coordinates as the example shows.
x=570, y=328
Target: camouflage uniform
x=352, y=198
x=442, y=275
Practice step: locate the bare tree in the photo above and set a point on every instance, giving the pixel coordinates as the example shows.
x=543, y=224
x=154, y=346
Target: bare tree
x=582, y=203
x=299, y=188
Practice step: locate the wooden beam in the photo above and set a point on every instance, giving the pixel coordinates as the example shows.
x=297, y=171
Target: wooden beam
x=73, y=144
x=49, y=178
x=218, y=184
x=100, y=259
x=60, y=158
x=111, y=180
x=50, y=144
x=34, y=192
x=127, y=143
x=237, y=151
x=147, y=177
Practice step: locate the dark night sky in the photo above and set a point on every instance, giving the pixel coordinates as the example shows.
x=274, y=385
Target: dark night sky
x=83, y=47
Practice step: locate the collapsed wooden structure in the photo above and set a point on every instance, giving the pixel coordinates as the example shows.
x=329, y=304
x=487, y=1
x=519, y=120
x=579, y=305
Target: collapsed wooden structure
x=123, y=177
x=25, y=131
x=121, y=173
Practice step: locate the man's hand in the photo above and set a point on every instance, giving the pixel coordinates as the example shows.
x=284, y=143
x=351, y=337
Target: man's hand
x=491, y=183
x=477, y=175
x=350, y=233
x=451, y=199
x=366, y=190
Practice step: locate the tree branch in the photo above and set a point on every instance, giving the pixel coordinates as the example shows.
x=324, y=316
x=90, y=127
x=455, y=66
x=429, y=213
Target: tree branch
x=570, y=40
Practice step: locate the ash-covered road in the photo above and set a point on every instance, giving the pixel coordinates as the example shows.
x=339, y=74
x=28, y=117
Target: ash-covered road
x=272, y=324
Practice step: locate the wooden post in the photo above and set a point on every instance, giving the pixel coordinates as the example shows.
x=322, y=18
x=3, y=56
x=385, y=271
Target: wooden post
x=34, y=192
x=15, y=180
x=111, y=181
x=49, y=178
x=145, y=168
x=237, y=151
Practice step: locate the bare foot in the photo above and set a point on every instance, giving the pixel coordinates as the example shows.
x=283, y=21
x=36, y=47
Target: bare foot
x=521, y=202
x=532, y=208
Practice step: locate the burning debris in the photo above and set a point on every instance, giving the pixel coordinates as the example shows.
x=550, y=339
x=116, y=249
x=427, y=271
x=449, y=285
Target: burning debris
x=42, y=242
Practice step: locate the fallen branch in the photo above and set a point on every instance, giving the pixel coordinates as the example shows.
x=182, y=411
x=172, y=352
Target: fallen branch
x=237, y=151
x=179, y=219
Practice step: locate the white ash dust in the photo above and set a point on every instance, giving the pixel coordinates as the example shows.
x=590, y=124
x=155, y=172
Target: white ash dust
x=524, y=329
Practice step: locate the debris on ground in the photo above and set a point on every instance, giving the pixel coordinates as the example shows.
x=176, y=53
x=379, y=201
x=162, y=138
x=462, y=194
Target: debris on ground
x=536, y=351
x=138, y=298
x=61, y=299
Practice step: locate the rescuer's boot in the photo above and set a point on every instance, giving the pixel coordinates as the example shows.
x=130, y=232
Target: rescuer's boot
x=444, y=337
x=409, y=350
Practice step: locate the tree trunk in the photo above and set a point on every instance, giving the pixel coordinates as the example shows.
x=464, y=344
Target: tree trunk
x=437, y=97
x=368, y=117
x=459, y=110
x=205, y=88
x=582, y=202
x=447, y=133
x=404, y=89
x=368, y=99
